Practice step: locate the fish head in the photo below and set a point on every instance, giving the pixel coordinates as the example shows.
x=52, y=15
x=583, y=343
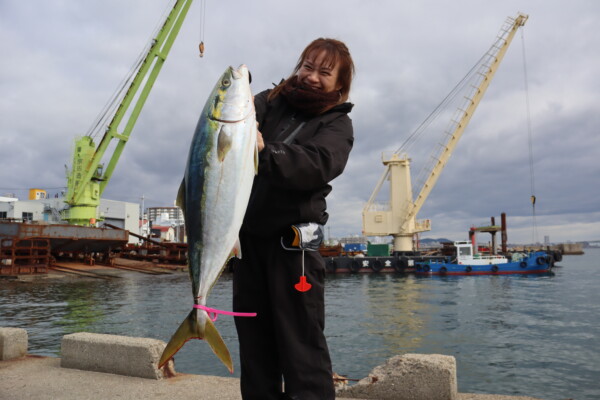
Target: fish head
x=231, y=97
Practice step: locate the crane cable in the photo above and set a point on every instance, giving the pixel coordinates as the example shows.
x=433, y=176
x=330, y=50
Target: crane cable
x=104, y=118
x=468, y=80
x=102, y=121
x=202, y=25
x=534, y=234
x=424, y=171
x=110, y=108
x=412, y=138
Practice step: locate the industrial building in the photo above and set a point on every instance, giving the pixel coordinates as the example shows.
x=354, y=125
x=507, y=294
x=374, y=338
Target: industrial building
x=43, y=209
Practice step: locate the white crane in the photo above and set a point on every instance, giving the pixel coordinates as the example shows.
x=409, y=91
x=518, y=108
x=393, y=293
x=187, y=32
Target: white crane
x=398, y=218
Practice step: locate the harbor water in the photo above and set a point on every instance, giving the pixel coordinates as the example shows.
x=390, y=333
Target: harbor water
x=513, y=335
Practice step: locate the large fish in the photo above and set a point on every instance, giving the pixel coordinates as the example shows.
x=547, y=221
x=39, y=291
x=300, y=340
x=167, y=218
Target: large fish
x=222, y=162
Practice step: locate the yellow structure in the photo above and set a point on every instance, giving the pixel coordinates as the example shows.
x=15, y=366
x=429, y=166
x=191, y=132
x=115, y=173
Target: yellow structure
x=398, y=218
x=37, y=194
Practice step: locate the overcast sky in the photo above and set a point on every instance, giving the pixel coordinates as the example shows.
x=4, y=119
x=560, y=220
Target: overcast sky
x=62, y=60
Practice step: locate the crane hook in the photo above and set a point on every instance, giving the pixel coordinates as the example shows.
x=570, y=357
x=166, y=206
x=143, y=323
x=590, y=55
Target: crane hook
x=201, y=48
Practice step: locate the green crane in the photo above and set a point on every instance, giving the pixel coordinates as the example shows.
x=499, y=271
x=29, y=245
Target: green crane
x=88, y=176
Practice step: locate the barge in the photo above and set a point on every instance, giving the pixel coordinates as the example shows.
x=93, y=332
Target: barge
x=460, y=258
x=30, y=248
x=535, y=262
x=467, y=262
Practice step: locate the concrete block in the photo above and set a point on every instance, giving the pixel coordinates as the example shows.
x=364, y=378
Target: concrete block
x=409, y=377
x=13, y=343
x=121, y=355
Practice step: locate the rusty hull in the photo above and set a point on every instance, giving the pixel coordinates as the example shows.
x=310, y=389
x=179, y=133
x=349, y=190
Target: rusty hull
x=66, y=238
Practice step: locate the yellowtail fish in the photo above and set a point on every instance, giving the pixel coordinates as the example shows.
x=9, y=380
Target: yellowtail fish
x=214, y=194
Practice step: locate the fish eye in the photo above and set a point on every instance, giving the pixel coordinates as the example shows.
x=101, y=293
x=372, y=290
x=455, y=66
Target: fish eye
x=226, y=82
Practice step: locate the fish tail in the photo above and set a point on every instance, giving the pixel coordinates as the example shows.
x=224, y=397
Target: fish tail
x=191, y=328
x=216, y=343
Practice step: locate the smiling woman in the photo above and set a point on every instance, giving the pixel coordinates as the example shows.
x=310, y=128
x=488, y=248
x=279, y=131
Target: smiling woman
x=323, y=75
x=307, y=138
x=318, y=73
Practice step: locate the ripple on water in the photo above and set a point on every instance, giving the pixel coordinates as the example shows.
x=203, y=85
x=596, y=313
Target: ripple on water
x=513, y=335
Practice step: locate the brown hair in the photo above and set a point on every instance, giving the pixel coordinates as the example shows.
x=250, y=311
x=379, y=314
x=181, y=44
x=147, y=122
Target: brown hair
x=336, y=53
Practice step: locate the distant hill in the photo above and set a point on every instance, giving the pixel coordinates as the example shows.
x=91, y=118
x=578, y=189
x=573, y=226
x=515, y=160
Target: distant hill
x=434, y=241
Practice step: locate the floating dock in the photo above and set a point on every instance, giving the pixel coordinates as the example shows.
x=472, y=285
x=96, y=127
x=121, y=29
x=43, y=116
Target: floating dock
x=66, y=238
x=27, y=248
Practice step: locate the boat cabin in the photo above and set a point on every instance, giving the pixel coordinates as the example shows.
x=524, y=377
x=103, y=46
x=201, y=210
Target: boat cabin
x=464, y=255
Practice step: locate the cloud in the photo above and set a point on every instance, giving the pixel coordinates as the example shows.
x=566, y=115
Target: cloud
x=62, y=62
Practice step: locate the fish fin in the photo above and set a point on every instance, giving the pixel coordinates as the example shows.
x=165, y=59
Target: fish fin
x=190, y=328
x=180, y=202
x=223, y=144
x=216, y=343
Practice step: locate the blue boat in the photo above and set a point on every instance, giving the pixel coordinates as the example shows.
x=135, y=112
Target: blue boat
x=465, y=262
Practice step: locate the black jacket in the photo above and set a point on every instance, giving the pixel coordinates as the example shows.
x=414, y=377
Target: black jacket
x=301, y=156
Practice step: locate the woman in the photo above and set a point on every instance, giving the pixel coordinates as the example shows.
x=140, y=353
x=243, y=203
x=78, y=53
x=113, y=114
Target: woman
x=305, y=137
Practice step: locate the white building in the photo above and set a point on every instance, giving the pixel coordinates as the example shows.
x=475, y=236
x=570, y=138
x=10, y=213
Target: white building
x=118, y=213
x=157, y=214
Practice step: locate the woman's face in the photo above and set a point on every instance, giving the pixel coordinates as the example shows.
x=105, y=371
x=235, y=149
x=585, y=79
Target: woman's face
x=319, y=75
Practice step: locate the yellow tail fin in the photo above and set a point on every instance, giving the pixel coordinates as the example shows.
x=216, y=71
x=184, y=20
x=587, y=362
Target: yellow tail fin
x=191, y=328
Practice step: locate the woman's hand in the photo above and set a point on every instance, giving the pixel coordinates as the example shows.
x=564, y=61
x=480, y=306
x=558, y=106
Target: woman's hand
x=260, y=143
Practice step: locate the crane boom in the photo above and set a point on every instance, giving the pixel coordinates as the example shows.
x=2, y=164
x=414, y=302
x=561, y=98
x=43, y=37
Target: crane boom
x=88, y=178
x=399, y=218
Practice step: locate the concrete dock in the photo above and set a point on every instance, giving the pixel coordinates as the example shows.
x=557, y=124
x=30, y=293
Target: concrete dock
x=100, y=366
x=42, y=378
x=86, y=370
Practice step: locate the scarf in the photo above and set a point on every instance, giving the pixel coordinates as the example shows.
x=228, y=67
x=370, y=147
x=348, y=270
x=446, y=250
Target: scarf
x=308, y=100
